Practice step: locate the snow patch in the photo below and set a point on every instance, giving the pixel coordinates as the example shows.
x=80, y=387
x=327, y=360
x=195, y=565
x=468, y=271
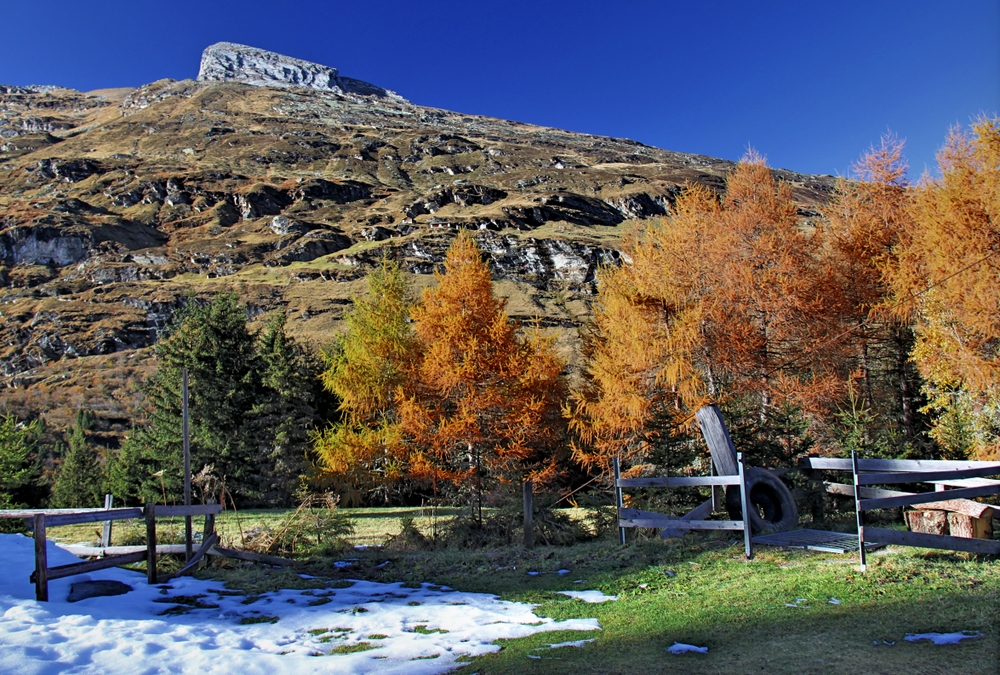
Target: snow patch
x=944, y=638
x=681, y=648
x=419, y=631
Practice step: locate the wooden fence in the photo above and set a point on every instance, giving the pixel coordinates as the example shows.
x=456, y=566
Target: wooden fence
x=966, y=476
x=696, y=519
x=40, y=520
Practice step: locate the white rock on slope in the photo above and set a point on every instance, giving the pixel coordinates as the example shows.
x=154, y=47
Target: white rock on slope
x=230, y=62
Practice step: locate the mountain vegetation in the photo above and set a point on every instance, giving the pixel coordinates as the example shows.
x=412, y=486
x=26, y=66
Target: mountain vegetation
x=398, y=303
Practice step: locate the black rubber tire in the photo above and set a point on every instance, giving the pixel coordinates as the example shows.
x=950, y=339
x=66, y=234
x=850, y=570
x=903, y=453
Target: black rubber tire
x=774, y=508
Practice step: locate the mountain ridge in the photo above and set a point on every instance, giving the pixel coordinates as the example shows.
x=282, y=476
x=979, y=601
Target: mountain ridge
x=118, y=205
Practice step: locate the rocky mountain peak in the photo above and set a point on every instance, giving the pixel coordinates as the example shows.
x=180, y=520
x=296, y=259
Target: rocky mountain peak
x=231, y=62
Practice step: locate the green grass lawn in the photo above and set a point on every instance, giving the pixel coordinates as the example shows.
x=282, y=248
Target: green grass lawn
x=698, y=590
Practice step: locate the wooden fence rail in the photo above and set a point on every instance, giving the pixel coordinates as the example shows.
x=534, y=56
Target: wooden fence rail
x=694, y=520
x=966, y=476
x=40, y=520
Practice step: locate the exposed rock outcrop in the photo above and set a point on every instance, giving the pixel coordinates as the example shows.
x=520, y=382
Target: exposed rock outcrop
x=230, y=62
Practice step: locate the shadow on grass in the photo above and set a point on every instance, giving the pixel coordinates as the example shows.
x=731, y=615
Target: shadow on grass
x=748, y=628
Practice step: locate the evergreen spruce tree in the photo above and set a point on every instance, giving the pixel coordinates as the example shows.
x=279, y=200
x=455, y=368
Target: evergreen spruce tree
x=80, y=482
x=224, y=375
x=20, y=471
x=284, y=414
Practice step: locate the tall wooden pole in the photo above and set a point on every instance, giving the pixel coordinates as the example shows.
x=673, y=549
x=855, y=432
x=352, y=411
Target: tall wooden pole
x=188, y=540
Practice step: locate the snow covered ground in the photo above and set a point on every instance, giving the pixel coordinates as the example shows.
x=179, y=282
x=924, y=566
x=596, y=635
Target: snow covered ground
x=400, y=630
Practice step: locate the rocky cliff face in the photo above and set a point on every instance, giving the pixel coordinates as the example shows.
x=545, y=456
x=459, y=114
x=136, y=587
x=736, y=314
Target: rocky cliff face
x=230, y=62
x=118, y=205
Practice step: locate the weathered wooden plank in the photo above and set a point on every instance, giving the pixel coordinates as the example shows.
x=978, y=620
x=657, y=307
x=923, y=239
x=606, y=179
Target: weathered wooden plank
x=713, y=429
x=678, y=481
x=95, y=516
x=869, y=492
x=965, y=506
x=41, y=578
x=252, y=557
x=91, y=565
x=193, y=510
x=192, y=563
x=631, y=514
x=101, y=551
x=883, y=536
x=700, y=512
x=965, y=482
x=30, y=513
x=926, y=476
x=923, y=498
x=678, y=524
x=834, y=464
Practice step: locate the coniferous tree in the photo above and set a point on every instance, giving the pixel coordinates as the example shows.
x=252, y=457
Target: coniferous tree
x=868, y=219
x=80, y=481
x=285, y=413
x=20, y=470
x=946, y=280
x=224, y=373
x=482, y=403
x=723, y=300
x=366, y=366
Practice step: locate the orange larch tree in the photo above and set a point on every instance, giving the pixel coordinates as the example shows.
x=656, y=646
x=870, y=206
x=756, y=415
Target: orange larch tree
x=723, y=300
x=481, y=404
x=947, y=274
x=867, y=221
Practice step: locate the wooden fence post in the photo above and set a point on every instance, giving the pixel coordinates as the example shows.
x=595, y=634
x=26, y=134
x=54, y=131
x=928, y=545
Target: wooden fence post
x=718, y=498
x=619, y=500
x=529, y=514
x=209, y=522
x=41, y=560
x=745, y=502
x=151, y=543
x=858, y=512
x=109, y=501
x=185, y=431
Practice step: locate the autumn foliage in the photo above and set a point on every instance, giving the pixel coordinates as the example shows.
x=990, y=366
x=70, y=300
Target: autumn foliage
x=482, y=400
x=872, y=325
x=366, y=366
x=947, y=281
x=461, y=399
x=726, y=298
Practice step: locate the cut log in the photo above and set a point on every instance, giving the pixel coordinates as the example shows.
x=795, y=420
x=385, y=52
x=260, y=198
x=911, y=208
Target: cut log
x=965, y=507
x=969, y=527
x=927, y=521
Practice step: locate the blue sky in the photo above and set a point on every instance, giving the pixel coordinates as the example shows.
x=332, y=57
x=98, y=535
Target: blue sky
x=808, y=84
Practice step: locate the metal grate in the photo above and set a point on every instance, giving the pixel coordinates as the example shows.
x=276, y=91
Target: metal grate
x=816, y=540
